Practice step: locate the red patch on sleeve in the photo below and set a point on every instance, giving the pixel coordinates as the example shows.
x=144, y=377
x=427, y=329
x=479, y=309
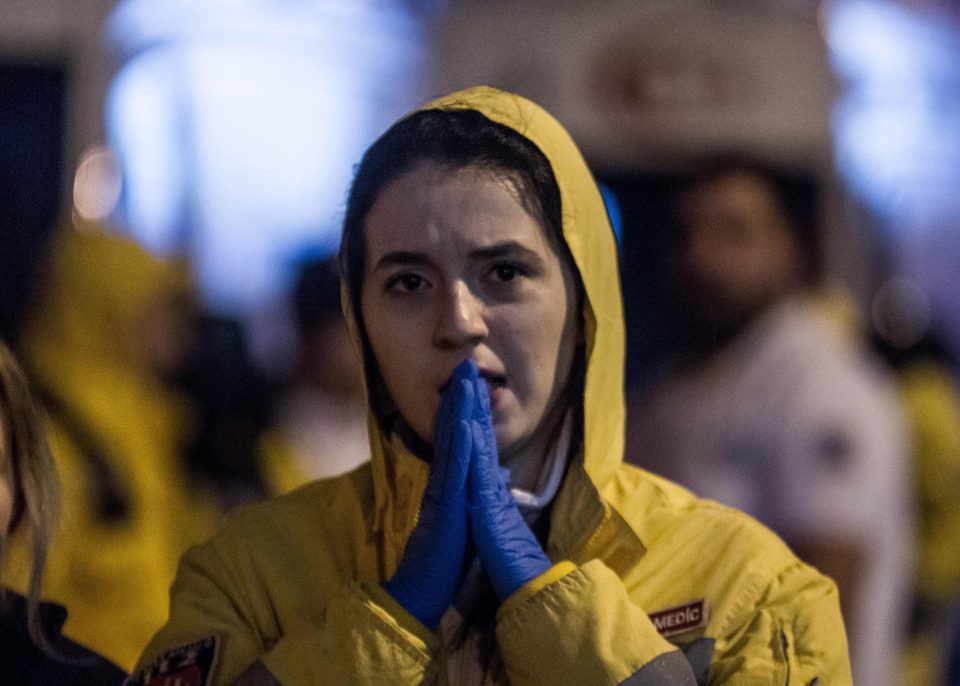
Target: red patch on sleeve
x=187, y=665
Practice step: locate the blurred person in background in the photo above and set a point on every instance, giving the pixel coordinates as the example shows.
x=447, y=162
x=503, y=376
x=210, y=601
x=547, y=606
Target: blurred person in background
x=231, y=402
x=110, y=329
x=927, y=382
x=773, y=409
x=33, y=652
x=321, y=421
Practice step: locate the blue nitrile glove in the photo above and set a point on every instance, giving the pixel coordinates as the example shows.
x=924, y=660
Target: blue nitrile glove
x=509, y=552
x=429, y=573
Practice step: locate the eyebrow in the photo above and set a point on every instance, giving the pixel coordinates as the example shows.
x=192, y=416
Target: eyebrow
x=504, y=249
x=401, y=257
x=405, y=258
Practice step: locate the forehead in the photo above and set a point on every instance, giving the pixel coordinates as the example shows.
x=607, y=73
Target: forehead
x=433, y=206
x=739, y=193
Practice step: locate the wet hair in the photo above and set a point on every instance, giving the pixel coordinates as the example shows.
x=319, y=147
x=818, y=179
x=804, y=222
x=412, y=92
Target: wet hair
x=454, y=139
x=26, y=456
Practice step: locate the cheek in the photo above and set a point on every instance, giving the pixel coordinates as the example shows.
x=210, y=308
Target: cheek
x=390, y=348
x=533, y=343
x=382, y=335
x=413, y=399
x=401, y=354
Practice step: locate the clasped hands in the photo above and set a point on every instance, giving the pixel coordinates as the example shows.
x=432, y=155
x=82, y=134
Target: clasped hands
x=467, y=499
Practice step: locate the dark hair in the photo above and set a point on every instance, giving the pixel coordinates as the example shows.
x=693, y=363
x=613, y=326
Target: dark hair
x=454, y=138
x=34, y=487
x=796, y=193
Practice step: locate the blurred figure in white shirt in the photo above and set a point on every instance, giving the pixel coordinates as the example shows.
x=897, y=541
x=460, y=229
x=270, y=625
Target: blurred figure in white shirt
x=774, y=409
x=320, y=428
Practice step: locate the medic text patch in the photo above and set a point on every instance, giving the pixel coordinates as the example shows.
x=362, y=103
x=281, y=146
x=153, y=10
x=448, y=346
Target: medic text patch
x=680, y=619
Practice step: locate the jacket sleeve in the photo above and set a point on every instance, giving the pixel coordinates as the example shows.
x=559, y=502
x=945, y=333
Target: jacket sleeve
x=792, y=634
x=576, y=625
x=362, y=637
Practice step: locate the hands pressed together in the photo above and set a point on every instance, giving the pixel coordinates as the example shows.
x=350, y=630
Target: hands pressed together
x=467, y=499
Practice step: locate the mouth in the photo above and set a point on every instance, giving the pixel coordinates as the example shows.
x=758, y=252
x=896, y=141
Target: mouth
x=494, y=381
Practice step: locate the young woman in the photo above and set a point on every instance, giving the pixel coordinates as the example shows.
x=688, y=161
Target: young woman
x=495, y=536
x=32, y=650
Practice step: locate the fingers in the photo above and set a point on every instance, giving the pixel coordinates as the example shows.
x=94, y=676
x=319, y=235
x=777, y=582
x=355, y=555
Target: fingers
x=483, y=402
x=484, y=474
x=465, y=446
x=452, y=436
x=455, y=478
x=483, y=417
x=454, y=403
x=482, y=484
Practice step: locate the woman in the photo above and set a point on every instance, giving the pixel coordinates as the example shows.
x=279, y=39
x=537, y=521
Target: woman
x=33, y=652
x=480, y=278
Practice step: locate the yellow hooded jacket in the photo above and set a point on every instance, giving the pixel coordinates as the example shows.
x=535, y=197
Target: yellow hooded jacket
x=115, y=431
x=643, y=568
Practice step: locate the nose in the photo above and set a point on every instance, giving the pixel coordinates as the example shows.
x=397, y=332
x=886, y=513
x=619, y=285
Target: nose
x=460, y=320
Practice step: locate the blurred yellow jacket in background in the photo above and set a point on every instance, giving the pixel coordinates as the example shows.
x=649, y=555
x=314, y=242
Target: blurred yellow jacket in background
x=97, y=350
x=933, y=402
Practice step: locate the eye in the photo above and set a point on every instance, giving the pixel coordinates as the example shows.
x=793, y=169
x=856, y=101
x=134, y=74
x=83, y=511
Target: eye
x=506, y=272
x=407, y=282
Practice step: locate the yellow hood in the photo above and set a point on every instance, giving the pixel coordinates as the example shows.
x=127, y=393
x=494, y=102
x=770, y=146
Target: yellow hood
x=99, y=289
x=588, y=234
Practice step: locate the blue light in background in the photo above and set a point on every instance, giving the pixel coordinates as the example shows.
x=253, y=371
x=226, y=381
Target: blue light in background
x=238, y=125
x=614, y=213
x=145, y=120
x=885, y=46
x=897, y=138
x=895, y=124
x=275, y=134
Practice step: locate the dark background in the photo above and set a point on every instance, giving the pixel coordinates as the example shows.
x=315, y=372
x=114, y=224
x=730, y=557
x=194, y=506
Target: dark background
x=32, y=124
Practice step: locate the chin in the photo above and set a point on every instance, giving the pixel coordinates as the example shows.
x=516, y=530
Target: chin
x=509, y=439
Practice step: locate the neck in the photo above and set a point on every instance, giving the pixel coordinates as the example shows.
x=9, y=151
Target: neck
x=526, y=461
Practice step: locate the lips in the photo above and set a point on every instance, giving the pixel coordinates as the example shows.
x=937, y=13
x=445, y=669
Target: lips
x=494, y=380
